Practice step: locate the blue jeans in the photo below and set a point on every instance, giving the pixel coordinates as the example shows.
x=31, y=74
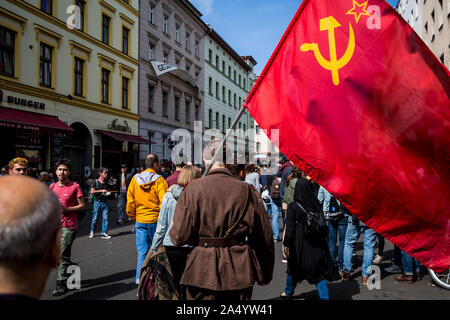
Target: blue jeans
x=322, y=288
x=352, y=235
x=409, y=264
x=144, y=238
x=333, y=230
x=102, y=207
x=290, y=285
x=275, y=219
x=122, y=203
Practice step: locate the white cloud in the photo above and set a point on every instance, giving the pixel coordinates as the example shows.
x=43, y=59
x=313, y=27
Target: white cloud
x=204, y=6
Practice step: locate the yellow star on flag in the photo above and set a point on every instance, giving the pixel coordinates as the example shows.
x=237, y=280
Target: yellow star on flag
x=359, y=10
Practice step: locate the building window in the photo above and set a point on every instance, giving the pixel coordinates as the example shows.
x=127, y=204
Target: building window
x=234, y=100
x=258, y=129
x=217, y=91
x=151, y=98
x=188, y=42
x=210, y=85
x=7, y=45
x=166, y=25
x=217, y=120
x=151, y=52
x=223, y=124
x=229, y=72
x=166, y=58
x=217, y=62
x=105, y=29
x=125, y=34
x=210, y=56
x=229, y=97
x=164, y=146
x=223, y=67
x=46, y=6
x=245, y=87
x=210, y=120
x=258, y=147
x=177, y=33
x=151, y=15
x=229, y=122
x=78, y=77
x=234, y=79
x=177, y=63
x=223, y=94
x=188, y=112
x=177, y=108
x=165, y=104
x=45, y=66
x=81, y=4
x=150, y=138
x=239, y=80
x=125, y=90
x=105, y=86
x=197, y=113
x=240, y=102
x=197, y=50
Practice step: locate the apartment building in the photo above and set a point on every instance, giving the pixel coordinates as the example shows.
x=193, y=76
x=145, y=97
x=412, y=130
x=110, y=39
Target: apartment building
x=430, y=19
x=68, y=82
x=171, y=36
x=228, y=81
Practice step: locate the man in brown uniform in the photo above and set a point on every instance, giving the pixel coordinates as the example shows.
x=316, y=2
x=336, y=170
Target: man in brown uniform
x=219, y=267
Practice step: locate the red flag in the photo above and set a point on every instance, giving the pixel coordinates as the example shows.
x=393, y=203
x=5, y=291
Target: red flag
x=362, y=106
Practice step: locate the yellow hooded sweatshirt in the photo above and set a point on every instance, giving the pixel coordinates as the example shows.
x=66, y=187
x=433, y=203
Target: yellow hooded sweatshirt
x=145, y=195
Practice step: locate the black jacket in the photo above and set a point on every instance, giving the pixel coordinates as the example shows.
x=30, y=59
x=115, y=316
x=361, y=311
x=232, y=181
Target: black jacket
x=307, y=260
x=128, y=178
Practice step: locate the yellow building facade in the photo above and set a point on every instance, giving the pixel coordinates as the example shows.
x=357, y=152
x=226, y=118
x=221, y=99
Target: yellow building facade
x=75, y=62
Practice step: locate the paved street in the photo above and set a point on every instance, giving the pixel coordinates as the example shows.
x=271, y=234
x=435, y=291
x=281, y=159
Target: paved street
x=108, y=271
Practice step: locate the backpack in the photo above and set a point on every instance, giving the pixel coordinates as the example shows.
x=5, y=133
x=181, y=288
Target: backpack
x=335, y=212
x=275, y=189
x=91, y=196
x=315, y=227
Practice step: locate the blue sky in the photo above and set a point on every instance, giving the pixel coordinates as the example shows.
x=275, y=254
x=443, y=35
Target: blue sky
x=251, y=27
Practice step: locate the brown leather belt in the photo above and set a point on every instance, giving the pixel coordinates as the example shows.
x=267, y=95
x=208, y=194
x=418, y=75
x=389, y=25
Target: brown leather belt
x=219, y=242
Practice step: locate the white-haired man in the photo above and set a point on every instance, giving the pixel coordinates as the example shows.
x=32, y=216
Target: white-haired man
x=30, y=237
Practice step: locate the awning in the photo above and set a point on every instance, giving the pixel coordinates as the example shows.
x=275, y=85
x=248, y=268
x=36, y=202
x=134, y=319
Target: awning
x=124, y=137
x=17, y=119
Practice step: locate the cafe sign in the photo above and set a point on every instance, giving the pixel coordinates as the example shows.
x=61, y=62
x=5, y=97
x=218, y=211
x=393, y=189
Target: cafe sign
x=118, y=127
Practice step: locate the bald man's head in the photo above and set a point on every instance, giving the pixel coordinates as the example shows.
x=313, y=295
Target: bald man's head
x=29, y=219
x=152, y=161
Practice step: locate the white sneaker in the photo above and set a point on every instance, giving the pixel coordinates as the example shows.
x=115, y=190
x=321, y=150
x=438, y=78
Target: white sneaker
x=91, y=234
x=105, y=236
x=378, y=259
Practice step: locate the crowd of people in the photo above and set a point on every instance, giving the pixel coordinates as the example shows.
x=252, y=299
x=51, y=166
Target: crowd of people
x=197, y=237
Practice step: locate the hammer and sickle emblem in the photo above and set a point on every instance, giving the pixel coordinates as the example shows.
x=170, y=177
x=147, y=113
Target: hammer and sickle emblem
x=330, y=23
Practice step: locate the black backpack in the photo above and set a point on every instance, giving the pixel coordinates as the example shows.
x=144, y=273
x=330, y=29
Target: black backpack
x=315, y=227
x=335, y=212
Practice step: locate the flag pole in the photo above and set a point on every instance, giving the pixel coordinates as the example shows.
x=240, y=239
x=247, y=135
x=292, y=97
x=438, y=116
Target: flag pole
x=219, y=150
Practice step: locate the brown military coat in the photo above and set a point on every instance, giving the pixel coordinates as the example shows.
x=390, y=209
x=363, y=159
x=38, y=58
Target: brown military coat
x=208, y=207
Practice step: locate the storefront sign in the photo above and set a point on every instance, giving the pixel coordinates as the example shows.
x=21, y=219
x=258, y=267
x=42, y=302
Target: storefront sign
x=118, y=127
x=25, y=102
x=14, y=125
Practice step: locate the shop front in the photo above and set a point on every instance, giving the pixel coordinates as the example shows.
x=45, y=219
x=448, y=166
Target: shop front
x=34, y=136
x=118, y=146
